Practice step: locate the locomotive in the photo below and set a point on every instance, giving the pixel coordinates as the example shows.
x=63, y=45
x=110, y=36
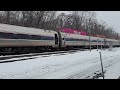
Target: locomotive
x=18, y=39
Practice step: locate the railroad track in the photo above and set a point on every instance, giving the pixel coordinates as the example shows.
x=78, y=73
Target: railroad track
x=13, y=58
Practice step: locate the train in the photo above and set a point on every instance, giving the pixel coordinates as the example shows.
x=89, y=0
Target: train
x=19, y=39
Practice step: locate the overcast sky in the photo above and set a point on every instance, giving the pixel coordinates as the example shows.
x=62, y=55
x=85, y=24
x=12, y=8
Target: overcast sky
x=111, y=18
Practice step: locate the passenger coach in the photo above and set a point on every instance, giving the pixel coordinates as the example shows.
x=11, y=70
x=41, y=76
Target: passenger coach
x=17, y=38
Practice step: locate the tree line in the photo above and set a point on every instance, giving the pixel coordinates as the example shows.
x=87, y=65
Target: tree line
x=53, y=20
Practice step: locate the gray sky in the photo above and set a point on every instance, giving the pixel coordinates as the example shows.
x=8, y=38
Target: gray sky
x=111, y=18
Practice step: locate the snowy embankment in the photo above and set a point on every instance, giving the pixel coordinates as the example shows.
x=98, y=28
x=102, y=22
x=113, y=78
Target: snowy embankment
x=76, y=65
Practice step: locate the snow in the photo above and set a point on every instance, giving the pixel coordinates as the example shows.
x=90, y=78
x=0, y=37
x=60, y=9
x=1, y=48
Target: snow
x=76, y=65
x=114, y=71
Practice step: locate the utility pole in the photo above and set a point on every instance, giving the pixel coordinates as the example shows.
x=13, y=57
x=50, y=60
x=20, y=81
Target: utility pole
x=97, y=44
x=101, y=44
x=101, y=65
x=90, y=35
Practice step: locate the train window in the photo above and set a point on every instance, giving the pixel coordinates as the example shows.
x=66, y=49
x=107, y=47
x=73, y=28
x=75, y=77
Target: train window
x=9, y=35
x=14, y=36
x=17, y=36
x=5, y=35
x=35, y=37
x=39, y=37
x=23, y=36
x=29, y=37
x=20, y=36
x=2, y=34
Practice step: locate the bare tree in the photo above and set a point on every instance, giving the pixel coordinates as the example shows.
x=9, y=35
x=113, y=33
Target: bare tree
x=48, y=21
x=8, y=17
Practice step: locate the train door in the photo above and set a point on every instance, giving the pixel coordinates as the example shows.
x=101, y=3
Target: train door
x=56, y=39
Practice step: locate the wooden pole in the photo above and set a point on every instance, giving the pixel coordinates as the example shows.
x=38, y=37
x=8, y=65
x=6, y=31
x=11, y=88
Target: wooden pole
x=101, y=65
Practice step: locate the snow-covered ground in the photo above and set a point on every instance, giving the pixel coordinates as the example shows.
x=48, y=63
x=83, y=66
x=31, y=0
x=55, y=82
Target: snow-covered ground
x=76, y=65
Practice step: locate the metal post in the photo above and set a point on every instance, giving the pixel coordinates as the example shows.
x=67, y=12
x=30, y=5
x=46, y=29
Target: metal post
x=101, y=65
x=101, y=44
x=97, y=44
x=104, y=44
x=90, y=37
x=90, y=42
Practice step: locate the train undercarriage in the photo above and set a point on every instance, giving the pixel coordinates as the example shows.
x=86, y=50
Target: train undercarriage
x=40, y=49
x=24, y=50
